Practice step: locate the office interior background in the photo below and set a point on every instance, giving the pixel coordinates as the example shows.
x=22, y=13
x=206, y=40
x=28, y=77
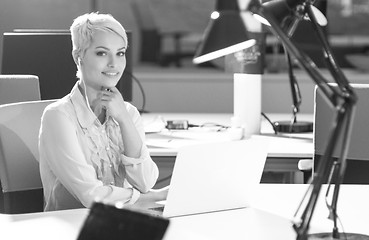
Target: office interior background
x=170, y=81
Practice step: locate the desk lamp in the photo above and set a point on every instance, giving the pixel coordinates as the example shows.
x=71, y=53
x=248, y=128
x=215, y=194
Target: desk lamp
x=283, y=16
x=231, y=31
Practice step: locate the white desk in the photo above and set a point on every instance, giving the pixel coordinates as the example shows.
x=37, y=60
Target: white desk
x=268, y=218
x=272, y=211
x=283, y=145
x=284, y=152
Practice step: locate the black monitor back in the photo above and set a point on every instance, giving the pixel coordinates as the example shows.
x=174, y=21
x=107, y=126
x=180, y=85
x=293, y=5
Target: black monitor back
x=47, y=54
x=357, y=170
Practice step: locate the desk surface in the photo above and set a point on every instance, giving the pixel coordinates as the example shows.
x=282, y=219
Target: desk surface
x=268, y=218
x=166, y=143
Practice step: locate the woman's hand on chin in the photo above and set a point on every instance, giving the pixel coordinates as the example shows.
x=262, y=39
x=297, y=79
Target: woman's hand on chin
x=113, y=101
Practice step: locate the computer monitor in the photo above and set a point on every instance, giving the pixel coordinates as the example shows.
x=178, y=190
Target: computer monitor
x=47, y=54
x=357, y=168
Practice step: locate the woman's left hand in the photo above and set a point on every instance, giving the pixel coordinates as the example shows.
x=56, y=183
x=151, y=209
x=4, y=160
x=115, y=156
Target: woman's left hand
x=151, y=199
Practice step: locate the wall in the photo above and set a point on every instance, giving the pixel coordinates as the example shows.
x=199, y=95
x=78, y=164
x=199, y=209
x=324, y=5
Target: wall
x=210, y=91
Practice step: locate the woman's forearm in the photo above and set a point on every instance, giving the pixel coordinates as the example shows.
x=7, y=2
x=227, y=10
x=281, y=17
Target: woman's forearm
x=131, y=139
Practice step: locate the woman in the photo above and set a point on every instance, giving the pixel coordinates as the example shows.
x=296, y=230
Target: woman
x=91, y=141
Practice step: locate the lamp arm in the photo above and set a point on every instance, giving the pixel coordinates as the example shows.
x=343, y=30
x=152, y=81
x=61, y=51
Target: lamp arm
x=295, y=89
x=342, y=98
x=339, y=171
x=333, y=67
x=348, y=110
x=332, y=94
x=324, y=168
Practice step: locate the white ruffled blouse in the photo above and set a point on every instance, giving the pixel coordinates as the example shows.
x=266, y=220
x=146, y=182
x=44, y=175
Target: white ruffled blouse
x=78, y=155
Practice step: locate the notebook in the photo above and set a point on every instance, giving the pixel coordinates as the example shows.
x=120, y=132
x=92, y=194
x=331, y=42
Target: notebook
x=214, y=177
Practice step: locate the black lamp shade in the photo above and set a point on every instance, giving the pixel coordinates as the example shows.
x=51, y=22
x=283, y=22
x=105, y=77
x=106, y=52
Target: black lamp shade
x=226, y=33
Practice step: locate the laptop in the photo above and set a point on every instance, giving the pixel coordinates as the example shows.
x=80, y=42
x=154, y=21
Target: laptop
x=213, y=177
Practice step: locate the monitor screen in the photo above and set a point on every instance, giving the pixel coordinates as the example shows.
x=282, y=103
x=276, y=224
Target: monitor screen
x=47, y=54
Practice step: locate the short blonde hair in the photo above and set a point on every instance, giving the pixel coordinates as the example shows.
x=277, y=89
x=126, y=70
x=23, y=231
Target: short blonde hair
x=84, y=27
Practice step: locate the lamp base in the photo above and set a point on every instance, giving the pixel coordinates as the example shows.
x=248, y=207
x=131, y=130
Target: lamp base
x=346, y=236
x=297, y=127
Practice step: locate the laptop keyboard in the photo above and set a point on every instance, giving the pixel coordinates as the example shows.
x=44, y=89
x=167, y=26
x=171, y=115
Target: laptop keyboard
x=158, y=209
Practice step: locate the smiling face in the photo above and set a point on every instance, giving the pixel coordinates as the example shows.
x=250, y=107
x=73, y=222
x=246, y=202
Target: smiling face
x=104, y=61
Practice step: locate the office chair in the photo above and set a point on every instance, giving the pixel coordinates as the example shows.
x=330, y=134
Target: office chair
x=357, y=171
x=19, y=167
x=19, y=88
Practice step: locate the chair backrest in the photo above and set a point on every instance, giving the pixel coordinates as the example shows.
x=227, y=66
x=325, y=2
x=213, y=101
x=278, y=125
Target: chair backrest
x=357, y=171
x=19, y=167
x=19, y=88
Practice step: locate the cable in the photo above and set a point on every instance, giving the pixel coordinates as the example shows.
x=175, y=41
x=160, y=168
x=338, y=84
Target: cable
x=210, y=124
x=271, y=123
x=142, y=110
